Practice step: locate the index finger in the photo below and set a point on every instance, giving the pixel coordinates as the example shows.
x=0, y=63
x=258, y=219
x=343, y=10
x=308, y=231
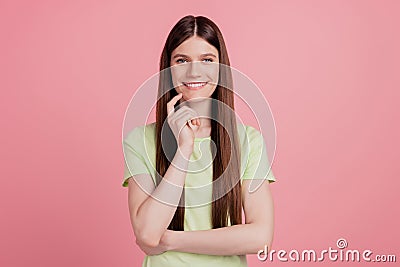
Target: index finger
x=172, y=102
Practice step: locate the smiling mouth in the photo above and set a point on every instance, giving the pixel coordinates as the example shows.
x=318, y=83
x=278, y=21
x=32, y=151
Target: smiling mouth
x=194, y=85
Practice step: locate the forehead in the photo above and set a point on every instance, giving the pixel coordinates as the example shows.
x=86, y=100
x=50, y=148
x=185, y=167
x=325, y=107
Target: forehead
x=195, y=46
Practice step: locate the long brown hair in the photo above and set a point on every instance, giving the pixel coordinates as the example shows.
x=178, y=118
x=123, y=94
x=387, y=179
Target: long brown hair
x=223, y=129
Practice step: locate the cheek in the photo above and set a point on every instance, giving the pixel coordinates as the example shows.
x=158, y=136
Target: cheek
x=214, y=87
x=213, y=75
x=177, y=75
x=175, y=78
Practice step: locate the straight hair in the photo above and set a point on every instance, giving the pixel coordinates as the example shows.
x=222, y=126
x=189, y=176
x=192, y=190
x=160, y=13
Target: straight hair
x=224, y=133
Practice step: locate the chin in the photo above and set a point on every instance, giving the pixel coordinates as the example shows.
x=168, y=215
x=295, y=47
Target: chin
x=193, y=96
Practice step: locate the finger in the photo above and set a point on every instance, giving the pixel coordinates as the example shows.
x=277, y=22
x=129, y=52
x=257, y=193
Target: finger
x=195, y=121
x=181, y=109
x=178, y=120
x=193, y=124
x=183, y=120
x=190, y=123
x=182, y=112
x=184, y=109
x=172, y=102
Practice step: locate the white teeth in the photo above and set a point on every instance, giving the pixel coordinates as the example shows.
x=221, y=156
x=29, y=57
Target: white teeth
x=194, y=85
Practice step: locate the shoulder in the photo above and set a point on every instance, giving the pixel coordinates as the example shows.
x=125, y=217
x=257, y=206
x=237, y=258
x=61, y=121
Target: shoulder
x=248, y=134
x=147, y=130
x=141, y=134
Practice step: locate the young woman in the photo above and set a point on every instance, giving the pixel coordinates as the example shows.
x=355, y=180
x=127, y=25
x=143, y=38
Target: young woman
x=196, y=143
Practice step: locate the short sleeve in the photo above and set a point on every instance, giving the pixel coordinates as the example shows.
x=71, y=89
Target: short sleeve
x=133, y=148
x=258, y=165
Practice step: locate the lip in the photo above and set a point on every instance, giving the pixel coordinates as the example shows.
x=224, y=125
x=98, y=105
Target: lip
x=194, y=88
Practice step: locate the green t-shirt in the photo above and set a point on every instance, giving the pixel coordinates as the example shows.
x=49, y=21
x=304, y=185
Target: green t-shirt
x=139, y=152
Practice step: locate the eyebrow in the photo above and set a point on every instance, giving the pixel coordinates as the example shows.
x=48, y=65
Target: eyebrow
x=204, y=55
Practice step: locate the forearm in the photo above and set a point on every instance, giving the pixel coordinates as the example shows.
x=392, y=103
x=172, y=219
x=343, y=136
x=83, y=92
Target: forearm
x=232, y=240
x=157, y=211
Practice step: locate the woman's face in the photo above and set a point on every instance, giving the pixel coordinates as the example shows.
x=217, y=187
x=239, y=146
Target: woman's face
x=195, y=68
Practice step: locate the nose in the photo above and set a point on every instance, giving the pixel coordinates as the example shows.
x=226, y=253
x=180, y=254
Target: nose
x=194, y=69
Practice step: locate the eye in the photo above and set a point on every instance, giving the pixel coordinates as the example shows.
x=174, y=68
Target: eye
x=208, y=59
x=180, y=60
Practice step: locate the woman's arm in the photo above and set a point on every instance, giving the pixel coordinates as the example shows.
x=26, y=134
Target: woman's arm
x=150, y=215
x=241, y=239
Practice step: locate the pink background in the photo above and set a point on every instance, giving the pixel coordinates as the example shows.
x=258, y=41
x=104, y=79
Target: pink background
x=69, y=69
